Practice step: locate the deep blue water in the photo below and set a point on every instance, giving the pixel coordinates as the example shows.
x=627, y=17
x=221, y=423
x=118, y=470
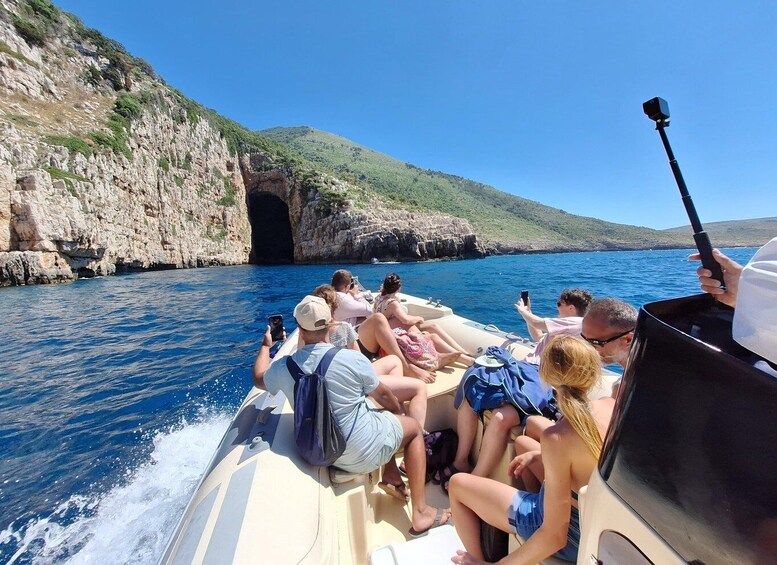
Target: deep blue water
x=115, y=391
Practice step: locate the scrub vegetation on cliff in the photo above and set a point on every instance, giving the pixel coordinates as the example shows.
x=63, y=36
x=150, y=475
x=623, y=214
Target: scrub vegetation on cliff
x=512, y=222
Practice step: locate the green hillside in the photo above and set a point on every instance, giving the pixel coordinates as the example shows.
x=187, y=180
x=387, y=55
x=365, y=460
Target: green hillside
x=513, y=221
x=750, y=233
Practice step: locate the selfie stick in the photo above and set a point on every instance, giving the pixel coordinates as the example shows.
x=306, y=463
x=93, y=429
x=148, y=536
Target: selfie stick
x=657, y=109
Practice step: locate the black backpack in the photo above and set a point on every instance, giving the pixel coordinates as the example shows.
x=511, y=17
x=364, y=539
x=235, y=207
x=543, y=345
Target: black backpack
x=316, y=432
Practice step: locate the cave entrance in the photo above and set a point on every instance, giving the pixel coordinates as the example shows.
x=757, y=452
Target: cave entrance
x=271, y=239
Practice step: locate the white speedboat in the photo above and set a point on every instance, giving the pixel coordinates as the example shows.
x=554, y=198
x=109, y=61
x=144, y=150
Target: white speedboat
x=259, y=502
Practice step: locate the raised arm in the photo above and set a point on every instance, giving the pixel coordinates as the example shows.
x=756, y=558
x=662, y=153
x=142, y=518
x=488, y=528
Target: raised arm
x=349, y=306
x=262, y=361
x=534, y=323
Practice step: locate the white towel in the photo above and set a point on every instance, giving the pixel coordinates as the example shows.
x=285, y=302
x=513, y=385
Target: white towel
x=755, y=317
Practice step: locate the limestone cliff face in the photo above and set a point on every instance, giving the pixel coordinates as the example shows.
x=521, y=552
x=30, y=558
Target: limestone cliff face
x=331, y=221
x=103, y=167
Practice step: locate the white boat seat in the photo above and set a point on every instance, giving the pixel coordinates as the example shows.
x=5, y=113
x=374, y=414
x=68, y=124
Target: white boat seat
x=436, y=547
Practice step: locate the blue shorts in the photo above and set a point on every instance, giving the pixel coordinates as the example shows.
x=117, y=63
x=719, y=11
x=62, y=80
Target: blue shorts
x=526, y=514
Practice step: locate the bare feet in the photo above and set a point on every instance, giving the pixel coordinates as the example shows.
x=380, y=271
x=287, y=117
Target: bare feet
x=421, y=374
x=448, y=358
x=429, y=518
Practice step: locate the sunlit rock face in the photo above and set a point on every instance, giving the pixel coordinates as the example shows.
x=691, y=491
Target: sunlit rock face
x=104, y=168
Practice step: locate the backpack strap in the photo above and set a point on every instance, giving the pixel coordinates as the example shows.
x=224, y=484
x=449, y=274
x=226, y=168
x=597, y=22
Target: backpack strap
x=323, y=365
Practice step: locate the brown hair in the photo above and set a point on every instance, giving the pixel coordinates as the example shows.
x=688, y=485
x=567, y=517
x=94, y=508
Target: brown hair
x=341, y=279
x=578, y=298
x=329, y=295
x=573, y=366
x=391, y=284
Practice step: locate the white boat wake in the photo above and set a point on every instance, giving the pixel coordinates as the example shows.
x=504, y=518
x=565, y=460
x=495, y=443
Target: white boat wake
x=132, y=522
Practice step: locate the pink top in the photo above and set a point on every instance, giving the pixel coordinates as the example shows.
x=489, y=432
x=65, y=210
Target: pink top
x=350, y=309
x=571, y=325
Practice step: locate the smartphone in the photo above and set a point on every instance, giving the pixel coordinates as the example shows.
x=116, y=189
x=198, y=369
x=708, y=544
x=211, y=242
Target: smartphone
x=276, y=327
x=525, y=297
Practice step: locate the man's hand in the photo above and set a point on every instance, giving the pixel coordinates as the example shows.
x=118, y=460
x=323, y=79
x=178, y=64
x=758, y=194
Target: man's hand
x=731, y=273
x=267, y=338
x=523, y=307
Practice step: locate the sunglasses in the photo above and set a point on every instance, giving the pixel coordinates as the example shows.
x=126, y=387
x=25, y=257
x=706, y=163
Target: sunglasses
x=603, y=342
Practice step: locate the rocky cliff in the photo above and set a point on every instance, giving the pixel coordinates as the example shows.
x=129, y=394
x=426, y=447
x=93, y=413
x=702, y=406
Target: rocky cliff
x=104, y=167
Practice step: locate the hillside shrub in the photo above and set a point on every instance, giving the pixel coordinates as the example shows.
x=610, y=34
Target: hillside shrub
x=118, y=140
x=68, y=179
x=73, y=144
x=229, y=198
x=93, y=76
x=164, y=164
x=30, y=32
x=45, y=10
x=128, y=106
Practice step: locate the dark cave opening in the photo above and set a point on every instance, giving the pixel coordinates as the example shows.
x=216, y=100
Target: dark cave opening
x=271, y=238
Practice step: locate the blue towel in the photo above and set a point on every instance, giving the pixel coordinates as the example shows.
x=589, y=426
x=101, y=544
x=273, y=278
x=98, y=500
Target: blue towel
x=516, y=382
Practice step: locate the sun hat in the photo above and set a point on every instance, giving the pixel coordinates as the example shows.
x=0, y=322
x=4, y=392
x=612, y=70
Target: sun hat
x=313, y=313
x=755, y=315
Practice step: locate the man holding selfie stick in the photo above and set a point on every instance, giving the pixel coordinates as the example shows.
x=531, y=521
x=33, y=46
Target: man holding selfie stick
x=352, y=306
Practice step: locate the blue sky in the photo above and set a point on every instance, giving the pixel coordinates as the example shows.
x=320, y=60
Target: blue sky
x=540, y=99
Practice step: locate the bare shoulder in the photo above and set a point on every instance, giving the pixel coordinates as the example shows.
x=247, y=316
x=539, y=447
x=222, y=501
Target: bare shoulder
x=558, y=434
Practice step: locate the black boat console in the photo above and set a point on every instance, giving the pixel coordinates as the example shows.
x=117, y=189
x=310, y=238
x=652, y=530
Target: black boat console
x=692, y=448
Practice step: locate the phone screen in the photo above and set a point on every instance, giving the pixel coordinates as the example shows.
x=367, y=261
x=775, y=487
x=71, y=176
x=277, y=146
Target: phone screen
x=525, y=296
x=276, y=327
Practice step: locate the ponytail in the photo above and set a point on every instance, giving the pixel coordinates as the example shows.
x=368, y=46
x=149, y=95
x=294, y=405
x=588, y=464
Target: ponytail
x=572, y=366
x=573, y=404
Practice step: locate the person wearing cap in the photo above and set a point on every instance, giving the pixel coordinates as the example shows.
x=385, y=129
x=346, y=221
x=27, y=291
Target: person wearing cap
x=373, y=436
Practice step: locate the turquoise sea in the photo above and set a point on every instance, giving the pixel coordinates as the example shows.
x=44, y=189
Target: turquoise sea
x=115, y=391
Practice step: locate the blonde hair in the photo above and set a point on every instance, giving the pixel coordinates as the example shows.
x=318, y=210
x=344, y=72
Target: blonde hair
x=572, y=367
x=328, y=293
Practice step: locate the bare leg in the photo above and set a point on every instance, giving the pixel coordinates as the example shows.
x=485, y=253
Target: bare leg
x=415, y=466
x=445, y=353
x=410, y=390
x=466, y=428
x=445, y=336
x=474, y=499
x=375, y=334
x=534, y=475
x=535, y=425
x=495, y=439
x=390, y=365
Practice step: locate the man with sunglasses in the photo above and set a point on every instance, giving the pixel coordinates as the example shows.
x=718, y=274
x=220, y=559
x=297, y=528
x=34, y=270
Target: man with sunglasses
x=609, y=325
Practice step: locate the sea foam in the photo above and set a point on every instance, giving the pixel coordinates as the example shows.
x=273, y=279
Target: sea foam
x=132, y=522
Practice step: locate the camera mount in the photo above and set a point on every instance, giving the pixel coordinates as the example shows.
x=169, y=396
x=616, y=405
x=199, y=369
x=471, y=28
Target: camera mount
x=657, y=109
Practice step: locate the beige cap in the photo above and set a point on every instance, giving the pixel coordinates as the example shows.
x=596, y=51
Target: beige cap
x=313, y=313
